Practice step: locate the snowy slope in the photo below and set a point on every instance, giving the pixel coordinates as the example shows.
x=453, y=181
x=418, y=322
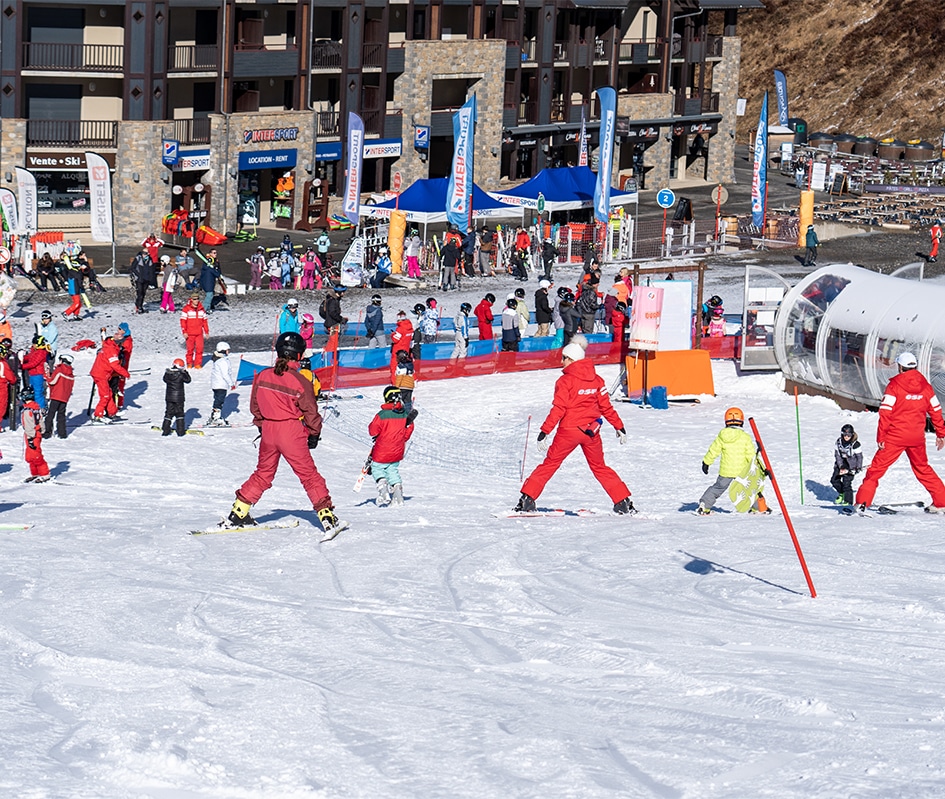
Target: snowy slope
x=437, y=651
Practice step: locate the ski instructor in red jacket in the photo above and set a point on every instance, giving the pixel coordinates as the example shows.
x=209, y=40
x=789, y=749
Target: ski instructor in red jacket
x=285, y=411
x=580, y=405
x=907, y=400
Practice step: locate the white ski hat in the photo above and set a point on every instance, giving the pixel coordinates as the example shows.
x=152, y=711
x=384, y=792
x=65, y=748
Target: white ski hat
x=581, y=340
x=544, y=284
x=222, y=346
x=573, y=351
x=907, y=360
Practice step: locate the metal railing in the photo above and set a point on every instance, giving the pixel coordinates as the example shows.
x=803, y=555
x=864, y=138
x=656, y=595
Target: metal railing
x=192, y=58
x=54, y=56
x=326, y=55
x=192, y=131
x=374, y=55
x=71, y=133
x=705, y=104
x=326, y=123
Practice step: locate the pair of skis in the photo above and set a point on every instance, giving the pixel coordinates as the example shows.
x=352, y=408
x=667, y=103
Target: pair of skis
x=888, y=509
x=276, y=525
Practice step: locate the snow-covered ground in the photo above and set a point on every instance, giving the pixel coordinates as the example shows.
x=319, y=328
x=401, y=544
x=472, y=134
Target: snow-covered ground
x=435, y=650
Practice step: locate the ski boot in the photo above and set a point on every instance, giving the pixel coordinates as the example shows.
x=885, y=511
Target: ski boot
x=840, y=501
x=525, y=504
x=397, y=495
x=624, y=507
x=383, y=493
x=239, y=514
x=934, y=509
x=702, y=510
x=330, y=523
x=43, y=478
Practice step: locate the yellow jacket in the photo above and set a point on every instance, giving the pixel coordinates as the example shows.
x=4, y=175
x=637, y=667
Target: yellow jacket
x=737, y=449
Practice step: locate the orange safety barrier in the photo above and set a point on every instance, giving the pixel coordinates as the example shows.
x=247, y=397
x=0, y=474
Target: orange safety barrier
x=683, y=372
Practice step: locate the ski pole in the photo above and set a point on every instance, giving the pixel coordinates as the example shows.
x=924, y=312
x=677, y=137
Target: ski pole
x=528, y=430
x=784, y=510
x=800, y=465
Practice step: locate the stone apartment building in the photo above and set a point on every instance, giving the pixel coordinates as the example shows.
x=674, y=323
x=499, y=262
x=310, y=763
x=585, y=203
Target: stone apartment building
x=235, y=112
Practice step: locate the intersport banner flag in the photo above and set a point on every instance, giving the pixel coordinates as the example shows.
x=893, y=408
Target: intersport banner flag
x=759, y=177
x=608, y=123
x=100, y=197
x=26, y=189
x=352, y=201
x=582, y=146
x=459, y=189
x=8, y=207
x=780, y=91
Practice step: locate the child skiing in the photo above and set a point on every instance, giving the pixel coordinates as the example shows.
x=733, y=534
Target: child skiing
x=404, y=380
x=739, y=462
x=391, y=429
x=33, y=436
x=175, y=378
x=61, y=383
x=221, y=381
x=848, y=460
x=461, y=332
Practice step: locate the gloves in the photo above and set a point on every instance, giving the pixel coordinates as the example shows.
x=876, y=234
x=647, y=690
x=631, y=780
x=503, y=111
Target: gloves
x=622, y=436
x=31, y=444
x=312, y=441
x=705, y=467
x=467, y=342
x=543, y=442
x=765, y=472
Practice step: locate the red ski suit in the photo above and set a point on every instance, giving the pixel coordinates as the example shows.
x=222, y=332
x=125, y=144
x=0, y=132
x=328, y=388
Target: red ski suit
x=106, y=364
x=194, y=326
x=391, y=431
x=580, y=399
x=7, y=379
x=33, y=436
x=484, y=319
x=907, y=400
x=286, y=413
x=400, y=339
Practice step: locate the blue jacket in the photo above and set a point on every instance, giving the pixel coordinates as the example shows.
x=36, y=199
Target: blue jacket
x=373, y=320
x=208, y=277
x=289, y=322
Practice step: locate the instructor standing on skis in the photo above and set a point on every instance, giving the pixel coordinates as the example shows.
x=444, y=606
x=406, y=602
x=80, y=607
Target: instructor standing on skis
x=906, y=401
x=580, y=405
x=285, y=411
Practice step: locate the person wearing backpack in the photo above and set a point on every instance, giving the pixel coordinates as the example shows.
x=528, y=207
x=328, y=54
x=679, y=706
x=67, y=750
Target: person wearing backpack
x=469, y=252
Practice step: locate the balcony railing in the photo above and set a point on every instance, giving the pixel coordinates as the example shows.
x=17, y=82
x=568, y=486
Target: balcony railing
x=71, y=133
x=639, y=52
x=374, y=54
x=192, y=58
x=706, y=103
x=373, y=122
x=326, y=55
x=326, y=123
x=54, y=56
x=192, y=131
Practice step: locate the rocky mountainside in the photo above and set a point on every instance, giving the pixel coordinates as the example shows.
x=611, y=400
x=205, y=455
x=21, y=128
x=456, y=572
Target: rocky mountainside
x=852, y=66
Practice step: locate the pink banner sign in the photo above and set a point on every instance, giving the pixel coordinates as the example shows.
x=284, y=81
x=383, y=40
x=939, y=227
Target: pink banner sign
x=645, y=319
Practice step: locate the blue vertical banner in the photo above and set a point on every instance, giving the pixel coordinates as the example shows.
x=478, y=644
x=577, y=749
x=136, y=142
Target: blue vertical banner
x=459, y=190
x=780, y=91
x=605, y=161
x=355, y=159
x=582, y=145
x=759, y=175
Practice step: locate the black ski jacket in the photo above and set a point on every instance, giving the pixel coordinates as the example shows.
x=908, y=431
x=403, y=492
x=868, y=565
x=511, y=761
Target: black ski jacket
x=176, y=379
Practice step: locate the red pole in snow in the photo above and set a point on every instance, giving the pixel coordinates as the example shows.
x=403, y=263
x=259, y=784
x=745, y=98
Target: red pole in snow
x=784, y=510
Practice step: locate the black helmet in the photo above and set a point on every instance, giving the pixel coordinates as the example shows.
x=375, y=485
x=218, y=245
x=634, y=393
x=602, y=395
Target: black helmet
x=511, y=303
x=305, y=363
x=715, y=300
x=465, y=308
x=563, y=292
x=569, y=297
x=418, y=309
x=520, y=293
x=376, y=299
x=290, y=346
x=392, y=394
x=490, y=297
x=848, y=431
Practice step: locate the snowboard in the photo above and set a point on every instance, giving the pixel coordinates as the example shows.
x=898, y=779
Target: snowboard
x=248, y=528
x=745, y=490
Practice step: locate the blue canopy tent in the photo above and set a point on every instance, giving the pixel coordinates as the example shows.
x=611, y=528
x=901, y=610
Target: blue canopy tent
x=424, y=201
x=564, y=189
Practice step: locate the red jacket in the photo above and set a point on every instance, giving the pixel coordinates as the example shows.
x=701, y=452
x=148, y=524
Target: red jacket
x=391, y=432
x=34, y=362
x=580, y=398
x=483, y=313
x=401, y=338
x=107, y=363
x=282, y=398
x=61, y=383
x=6, y=372
x=127, y=345
x=193, y=319
x=907, y=400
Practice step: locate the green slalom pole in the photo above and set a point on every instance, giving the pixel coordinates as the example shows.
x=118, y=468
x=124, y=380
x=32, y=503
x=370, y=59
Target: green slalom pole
x=800, y=463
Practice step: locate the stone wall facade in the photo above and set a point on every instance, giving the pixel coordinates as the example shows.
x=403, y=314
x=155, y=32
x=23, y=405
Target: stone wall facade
x=725, y=82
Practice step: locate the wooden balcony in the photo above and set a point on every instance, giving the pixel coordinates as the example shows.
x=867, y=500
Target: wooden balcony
x=71, y=133
x=59, y=57
x=192, y=131
x=192, y=58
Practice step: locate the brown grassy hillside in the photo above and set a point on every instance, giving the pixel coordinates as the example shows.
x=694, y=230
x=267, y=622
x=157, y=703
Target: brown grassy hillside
x=853, y=66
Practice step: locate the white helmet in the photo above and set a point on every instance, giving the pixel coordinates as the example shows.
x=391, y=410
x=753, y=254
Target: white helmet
x=222, y=346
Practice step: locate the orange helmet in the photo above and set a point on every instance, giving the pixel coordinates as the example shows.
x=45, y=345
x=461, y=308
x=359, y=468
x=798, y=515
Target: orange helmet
x=178, y=363
x=734, y=416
